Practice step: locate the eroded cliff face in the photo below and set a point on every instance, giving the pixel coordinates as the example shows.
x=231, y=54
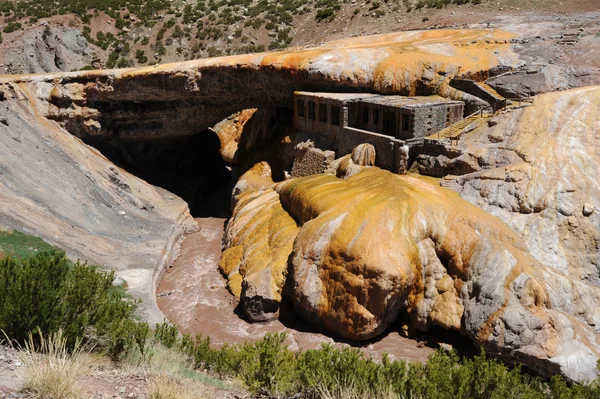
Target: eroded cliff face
x=377, y=244
x=54, y=186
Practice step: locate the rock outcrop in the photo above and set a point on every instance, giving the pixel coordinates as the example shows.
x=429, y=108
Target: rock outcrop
x=535, y=168
x=377, y=244
x=181, y=99
x=364, y=155
x=258, y=241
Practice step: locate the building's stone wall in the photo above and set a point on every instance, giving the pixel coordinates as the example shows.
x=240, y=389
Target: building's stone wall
x=315, y=125
x=423, y=120
x=312, y=161
x=382, y=122
x=428, y=120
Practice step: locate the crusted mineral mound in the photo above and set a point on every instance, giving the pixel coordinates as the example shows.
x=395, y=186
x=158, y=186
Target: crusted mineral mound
x=377, y=244
x=259, y=239
x=536, y=169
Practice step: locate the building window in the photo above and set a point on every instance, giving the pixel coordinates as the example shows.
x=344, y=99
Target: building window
x=376, y=117
x=389, y=123
x=366, y=116
x=335, y=115
x=300, y=105
x=405, y=122
x=322, y=112
x=311, y=110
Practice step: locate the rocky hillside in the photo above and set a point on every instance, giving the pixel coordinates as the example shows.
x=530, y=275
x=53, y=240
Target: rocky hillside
x=64, y=35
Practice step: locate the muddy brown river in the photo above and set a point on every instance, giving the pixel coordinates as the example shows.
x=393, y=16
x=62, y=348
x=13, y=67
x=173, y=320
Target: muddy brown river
x=193, y=295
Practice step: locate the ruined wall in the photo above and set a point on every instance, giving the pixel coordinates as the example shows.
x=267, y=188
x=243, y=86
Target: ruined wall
x=386, y=147
x=312, y=161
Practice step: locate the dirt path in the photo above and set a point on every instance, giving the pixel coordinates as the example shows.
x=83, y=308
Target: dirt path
x=193, y=295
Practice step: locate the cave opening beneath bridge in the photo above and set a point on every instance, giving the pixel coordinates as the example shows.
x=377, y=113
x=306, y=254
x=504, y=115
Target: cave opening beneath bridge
x=190, y=167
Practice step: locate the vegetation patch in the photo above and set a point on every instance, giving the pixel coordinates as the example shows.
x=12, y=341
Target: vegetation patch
x=53, y=307
x=16, y=244
x=46, y=293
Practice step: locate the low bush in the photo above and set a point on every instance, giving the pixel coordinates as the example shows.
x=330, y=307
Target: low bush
x=166, y=334
x=11, y=27
x=47, y=293
x=324, y=14
x=269, y=366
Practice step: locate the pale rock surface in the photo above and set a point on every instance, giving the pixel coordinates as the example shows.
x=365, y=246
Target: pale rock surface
x=364, y=155
x=542, y=179
x=376, y=244
x=54, y=186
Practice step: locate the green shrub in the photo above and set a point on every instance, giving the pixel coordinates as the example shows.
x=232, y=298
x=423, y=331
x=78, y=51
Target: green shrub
x=46, y=293
x=177, y=32
x=269, y=366
x=11, y=27
x=324, y=14
x=140, y=56
x=166, y=334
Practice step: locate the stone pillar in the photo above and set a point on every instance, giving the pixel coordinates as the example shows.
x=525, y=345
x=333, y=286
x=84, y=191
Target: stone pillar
x=401, y=159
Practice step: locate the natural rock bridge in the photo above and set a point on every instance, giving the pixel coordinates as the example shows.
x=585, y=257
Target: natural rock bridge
x=55, y=185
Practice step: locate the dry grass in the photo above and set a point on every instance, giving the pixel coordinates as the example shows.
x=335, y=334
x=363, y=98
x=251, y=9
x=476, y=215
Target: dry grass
x=50, y=371
x=348, y=391
x=166, y=387
x=157, y=360
x=171, y=374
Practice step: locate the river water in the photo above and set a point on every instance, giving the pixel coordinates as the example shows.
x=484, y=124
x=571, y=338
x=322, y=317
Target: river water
x=193, y=296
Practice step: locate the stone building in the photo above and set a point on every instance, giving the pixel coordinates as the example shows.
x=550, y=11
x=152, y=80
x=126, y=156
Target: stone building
x=346, y=120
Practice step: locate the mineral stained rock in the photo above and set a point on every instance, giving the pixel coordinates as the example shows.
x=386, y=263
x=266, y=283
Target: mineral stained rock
x=181, y=99
x=258, y=239
x=542, y=178
x=364, y=155
x=377, y=243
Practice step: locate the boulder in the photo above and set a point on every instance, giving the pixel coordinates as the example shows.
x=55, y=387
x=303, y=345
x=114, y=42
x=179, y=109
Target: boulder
x=364, y=155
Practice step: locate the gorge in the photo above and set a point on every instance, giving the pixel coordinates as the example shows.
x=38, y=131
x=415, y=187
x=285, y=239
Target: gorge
x=499, y=246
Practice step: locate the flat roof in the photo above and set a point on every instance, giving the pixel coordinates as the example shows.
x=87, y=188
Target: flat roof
x=336, y=96
x=380, y=99
x=401, y=101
